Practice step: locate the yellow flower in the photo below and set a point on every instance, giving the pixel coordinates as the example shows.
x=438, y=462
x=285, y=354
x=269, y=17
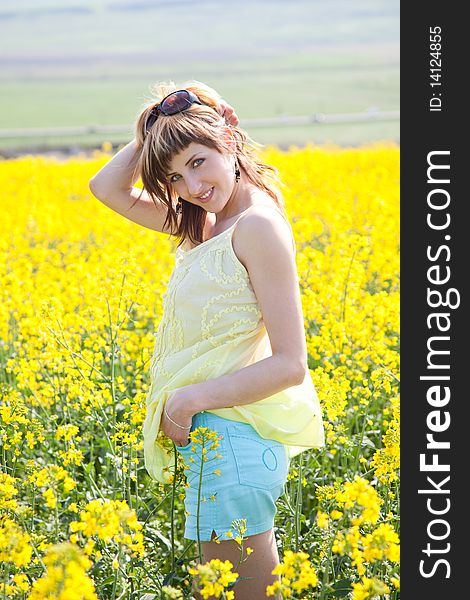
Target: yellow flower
x=297, y=575
x=369, y=588
x=7, y=492
x=382, y=543
x=359, y=493
x=386, y=460
x=110, y=521
x=51, y=499
x=213, y=578
x=322, y=520
x=65, y=576
x=14, y=543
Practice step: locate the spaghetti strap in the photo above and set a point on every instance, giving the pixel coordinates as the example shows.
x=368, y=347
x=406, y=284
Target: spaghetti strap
x=230, y=229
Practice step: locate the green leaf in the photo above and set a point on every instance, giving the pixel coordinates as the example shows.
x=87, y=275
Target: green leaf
x=368, y=442
x=169, y=577
x=341, y=588
x=154, y=535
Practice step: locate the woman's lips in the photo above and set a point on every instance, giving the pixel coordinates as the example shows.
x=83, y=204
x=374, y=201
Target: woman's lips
x=208, y=197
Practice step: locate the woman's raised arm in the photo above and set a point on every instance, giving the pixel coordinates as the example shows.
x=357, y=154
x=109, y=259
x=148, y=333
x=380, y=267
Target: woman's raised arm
x=114, y=183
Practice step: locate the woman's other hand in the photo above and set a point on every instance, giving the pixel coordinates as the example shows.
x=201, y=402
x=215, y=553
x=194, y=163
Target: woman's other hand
x=228, y=112
x=176, y=408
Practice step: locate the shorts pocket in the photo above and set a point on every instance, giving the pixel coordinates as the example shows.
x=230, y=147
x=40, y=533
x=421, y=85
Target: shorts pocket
x=261, y=463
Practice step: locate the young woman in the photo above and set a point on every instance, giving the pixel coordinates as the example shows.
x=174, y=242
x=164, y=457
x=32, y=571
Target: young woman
x=230, y=351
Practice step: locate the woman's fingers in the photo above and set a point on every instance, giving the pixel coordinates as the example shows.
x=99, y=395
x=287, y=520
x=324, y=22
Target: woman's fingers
x=177, y=435
x=184, y=442
x=228, y=112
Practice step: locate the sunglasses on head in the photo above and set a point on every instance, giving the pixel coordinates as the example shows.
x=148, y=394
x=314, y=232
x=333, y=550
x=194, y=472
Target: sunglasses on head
x=175, y=102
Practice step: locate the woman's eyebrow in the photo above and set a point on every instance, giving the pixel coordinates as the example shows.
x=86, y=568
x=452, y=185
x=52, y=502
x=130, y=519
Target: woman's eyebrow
x=192, y=158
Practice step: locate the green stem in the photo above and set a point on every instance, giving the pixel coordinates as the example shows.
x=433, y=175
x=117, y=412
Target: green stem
x=359, y=445
x=4, y=458
x=128, y=479
x=33, y=502
x=93, y=484
x=72, y=353
x=152, y=511
x=104, y=430
x=291, y=509
x=199, y=548
x=345, y=293
x=326, y=579
x=112, y=382
x=113, y=596
x=298, y=505
x=5, y=579
x=56, y=516
x=136, y=470
x=172, y=510
x=241, y=556
x=123, y=472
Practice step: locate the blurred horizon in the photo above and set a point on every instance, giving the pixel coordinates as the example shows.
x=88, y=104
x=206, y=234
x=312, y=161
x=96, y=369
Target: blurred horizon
x=93, y=62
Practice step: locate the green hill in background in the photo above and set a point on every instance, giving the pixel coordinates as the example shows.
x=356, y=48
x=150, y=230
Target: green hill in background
x=93, y=62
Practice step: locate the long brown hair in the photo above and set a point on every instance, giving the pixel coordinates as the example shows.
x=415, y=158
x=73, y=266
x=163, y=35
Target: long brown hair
x=201, y=124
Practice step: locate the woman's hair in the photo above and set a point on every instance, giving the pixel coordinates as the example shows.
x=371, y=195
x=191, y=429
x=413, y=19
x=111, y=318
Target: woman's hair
x=170, y=135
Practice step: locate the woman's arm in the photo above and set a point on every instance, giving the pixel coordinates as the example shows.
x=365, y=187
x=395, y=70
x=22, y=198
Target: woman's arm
x=114, y=183
x=118, y=173
x=263, y=243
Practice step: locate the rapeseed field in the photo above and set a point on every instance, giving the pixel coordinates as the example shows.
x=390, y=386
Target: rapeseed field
x=80, y=300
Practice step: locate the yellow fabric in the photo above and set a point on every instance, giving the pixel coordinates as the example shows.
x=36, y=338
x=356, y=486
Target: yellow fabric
x=212, y=325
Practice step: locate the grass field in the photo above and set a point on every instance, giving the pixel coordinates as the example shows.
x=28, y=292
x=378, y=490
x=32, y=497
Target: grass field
x=93, y=62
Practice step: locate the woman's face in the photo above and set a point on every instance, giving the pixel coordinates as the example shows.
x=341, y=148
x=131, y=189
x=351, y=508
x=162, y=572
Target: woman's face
x=203, y=176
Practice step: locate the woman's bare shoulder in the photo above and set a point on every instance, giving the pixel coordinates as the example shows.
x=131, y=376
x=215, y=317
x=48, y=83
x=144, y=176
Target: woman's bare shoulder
x=266, y=208
x=263, y=223
x=263, y=210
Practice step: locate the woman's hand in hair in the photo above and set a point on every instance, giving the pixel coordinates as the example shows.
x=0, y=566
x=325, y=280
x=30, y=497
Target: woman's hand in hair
x=228, y=112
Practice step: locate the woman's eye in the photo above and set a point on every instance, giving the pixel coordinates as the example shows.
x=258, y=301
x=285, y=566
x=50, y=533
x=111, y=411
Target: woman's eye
x=196, y=163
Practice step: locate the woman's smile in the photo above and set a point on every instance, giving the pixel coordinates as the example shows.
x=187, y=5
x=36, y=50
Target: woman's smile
x=202, y=175
x=207, y=196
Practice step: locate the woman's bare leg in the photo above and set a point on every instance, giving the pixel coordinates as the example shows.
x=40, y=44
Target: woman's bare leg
x=258, y=566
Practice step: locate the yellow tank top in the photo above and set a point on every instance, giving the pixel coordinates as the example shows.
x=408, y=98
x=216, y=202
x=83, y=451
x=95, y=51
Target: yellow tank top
x=212, y=325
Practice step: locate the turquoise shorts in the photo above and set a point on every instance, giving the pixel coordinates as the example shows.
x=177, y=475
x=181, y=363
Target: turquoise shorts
x=253, y=472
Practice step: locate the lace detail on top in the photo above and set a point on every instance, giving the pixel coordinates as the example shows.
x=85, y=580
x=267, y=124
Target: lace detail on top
x=169, y=335
x=209, y=302
x=223, y=316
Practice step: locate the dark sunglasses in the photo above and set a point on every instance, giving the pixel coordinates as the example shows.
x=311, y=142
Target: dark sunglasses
x=175, y=102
